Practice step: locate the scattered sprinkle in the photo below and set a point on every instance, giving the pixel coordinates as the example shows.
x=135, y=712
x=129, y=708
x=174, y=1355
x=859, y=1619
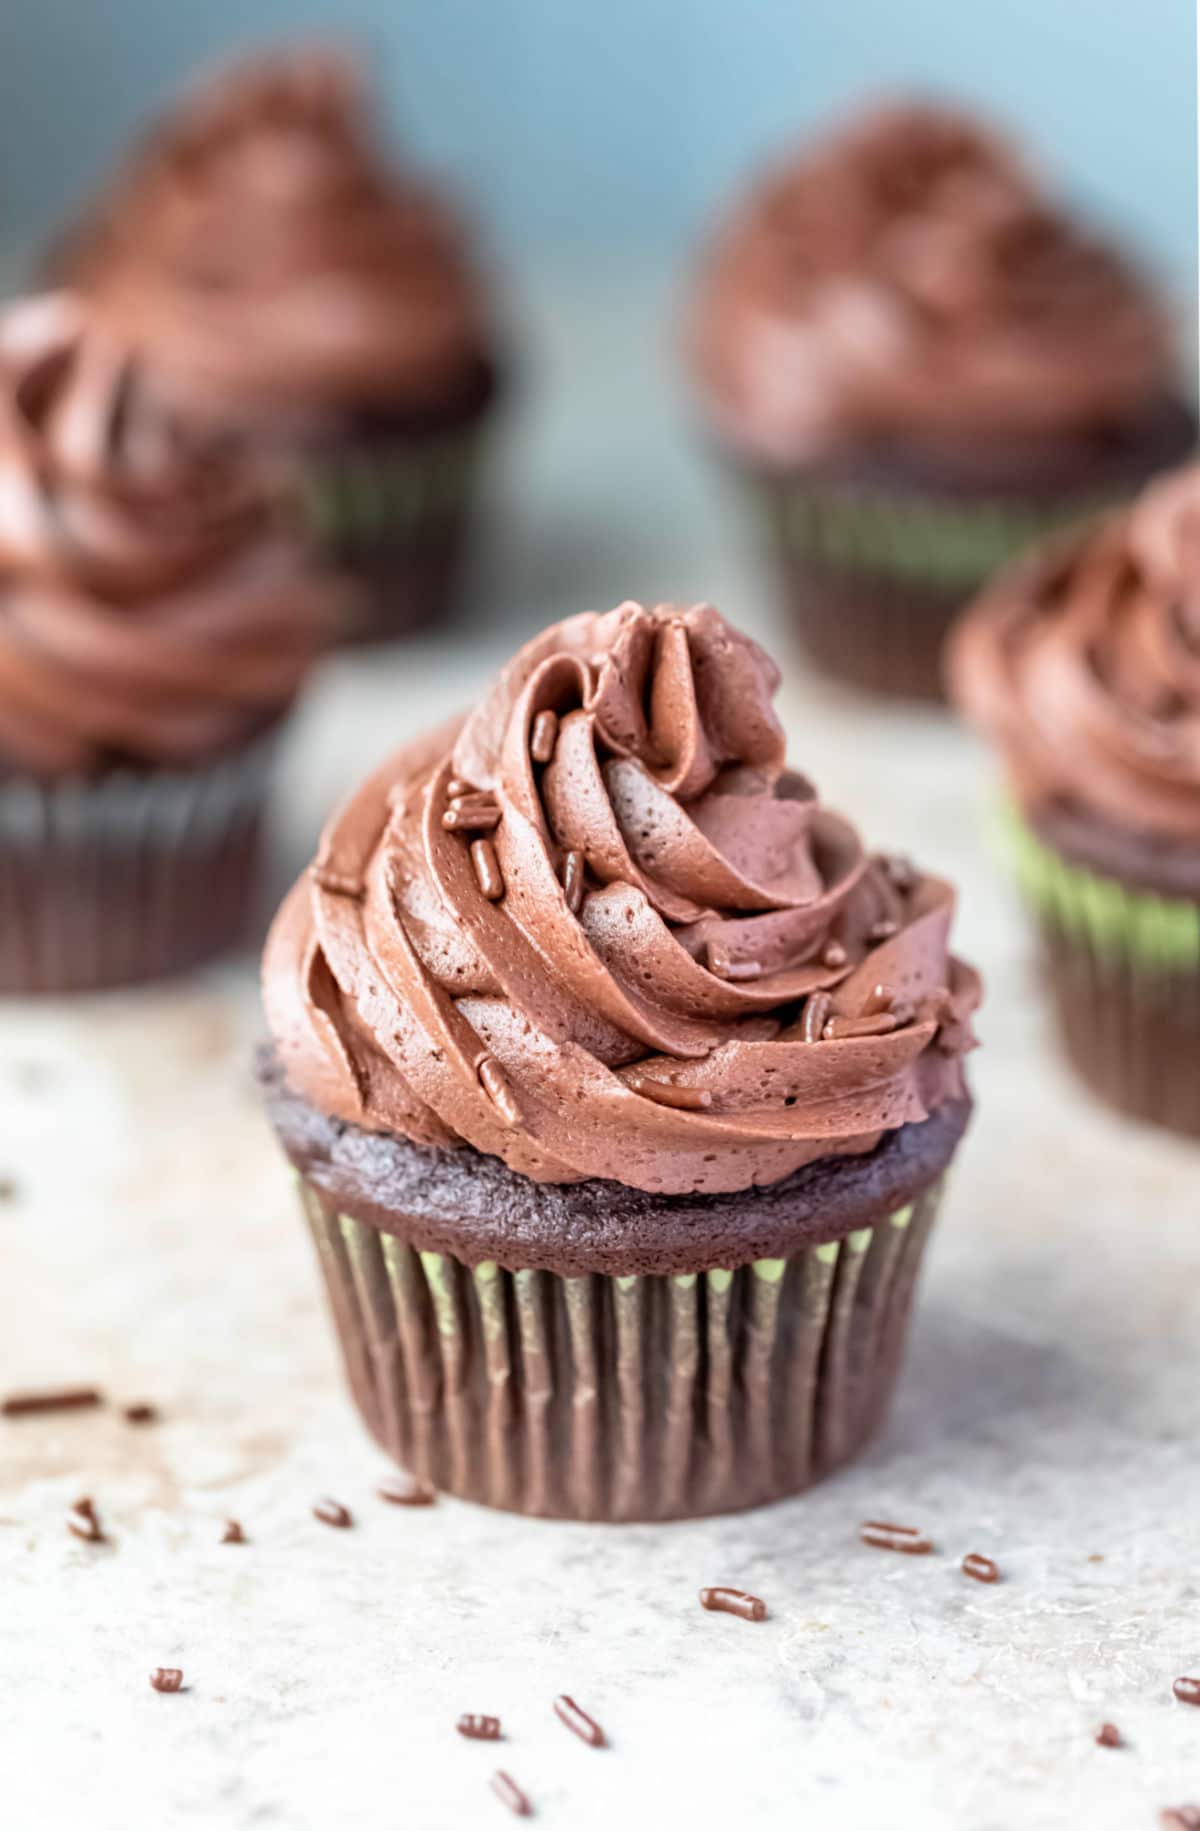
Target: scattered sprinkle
x=572, y=881
x=883, y=930
x=509, y=1794
x=669, y=1093
x=479, y=1729
x=332, y=1513
x=1187, y=1690
x=578, y=1721
x=458, y=785
x=1108, y=1736
x=166, y=1678
x=890, y=1537
x=816, y=1015
x=882, y=1023
x=63, y=1398
x=472, y=817
x=141, y=1413
x=83, y=1522
x=488, y=874
x=879, y=998
x=404, y=1490
x=495, y=1084
x=982, y=1569
x=834, y=954
x=543, y=737
x=720, y=964
x=734, y=1602
x=233, y=1533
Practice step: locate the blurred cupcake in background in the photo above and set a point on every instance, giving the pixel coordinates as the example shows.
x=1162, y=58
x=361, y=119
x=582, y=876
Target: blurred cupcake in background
x=1083, y=665
x=921, y=364
x=287, y=289
x=155, y=626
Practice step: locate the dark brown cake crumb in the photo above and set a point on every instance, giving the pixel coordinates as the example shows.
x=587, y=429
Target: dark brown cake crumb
x=984, y=1570
x=509, y=1794
x=887, y=1536
x=83, y=1522
x=1187, y=1690
x=141, y=1413
x=724, y=1601
x=332, y=1513
x=64, y=1398
x=1108, y=1736
x=233, y=1533
x=477, y=1728
x=166, y=1678
x=578, y=1721
x=404, y=1490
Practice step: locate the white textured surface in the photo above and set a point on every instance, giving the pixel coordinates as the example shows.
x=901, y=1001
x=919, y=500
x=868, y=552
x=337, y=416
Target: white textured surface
x=1048, y=1415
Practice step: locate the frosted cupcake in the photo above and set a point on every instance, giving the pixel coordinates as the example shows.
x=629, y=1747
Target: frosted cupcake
x=1083, y=666
x=287, y=288
x=920, y=363
x=155, y=626
x=621, y=1082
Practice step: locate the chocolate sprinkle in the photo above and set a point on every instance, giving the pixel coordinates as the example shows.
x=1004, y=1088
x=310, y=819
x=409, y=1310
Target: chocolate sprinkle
x=66, y=1398
x=572, y=881
x=142, y=1413
x=83, y=1522
x=496, y=1086
x=233, y=1533
x=488, y=874
x=544, y=736
x=669, y=1093
x=880, y=998
x=166, y=1678
x=478, y=1729
x=472, y=817
x=834, y=954
x=1108, y=1736
x=982, y=1569
x=509, y=1794
x=578, y=1721
x=882, y=1023
x=816, y=1015
x=720, y=964
x=883, y=930
x=458, y=786
x=404, y=1490
x=724, y=1601
x=332, y=1513
x=890, y=1537
x=1187, y=1690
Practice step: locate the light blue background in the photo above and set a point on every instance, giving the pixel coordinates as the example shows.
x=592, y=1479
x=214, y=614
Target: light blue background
x=619, y=123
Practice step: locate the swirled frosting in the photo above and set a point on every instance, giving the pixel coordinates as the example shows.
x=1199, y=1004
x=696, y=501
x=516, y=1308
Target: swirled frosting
x=263, y=254
x=904, y=280
x=150, y=612
x=1084, y=666
x=600, y=929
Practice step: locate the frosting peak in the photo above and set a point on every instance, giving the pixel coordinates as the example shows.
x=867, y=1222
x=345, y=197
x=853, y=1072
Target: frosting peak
x=906, y=278
x=1084, y=665
x=600, y=929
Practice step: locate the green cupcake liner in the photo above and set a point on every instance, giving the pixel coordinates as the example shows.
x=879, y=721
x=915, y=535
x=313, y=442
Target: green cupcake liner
x=1159, y=935
x=952, y=544
x=622, y=1398
x=379, y=493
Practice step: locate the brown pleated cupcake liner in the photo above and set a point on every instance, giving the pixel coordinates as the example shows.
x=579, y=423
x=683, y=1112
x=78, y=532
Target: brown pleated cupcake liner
x=393, y=519
x=129, y=877
x=875, y=578
x=626, y=1398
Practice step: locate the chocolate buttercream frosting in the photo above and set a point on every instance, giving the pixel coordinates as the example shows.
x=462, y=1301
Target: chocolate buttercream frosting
x=1083, y=664
x=262, y=251
x=906, y=282
x=151, y=611
x=599, y=929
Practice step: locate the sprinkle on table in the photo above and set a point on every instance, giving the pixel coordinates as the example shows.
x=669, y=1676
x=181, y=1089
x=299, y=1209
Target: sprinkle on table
x=332, y=1513
x=166, y=1678
x=57, y=1398
x=887, y=1536
x=509, y=1794
x=578, y=1721
x=724, y=1601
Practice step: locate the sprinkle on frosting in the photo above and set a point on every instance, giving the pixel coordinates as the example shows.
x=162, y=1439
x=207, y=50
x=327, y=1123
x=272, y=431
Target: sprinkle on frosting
x=906, y=276
x=150, y=609
x=1084, y=665
x=639, y=1005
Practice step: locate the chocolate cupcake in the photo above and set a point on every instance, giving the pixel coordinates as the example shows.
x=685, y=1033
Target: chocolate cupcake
x=154, y=628
x=621, y=1084
x=285, y=288
x=920, y=365
x=1083, y=666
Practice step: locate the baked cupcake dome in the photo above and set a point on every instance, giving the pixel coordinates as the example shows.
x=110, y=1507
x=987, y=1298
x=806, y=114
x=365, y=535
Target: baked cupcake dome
x=594, y=1031
x=1083, y=667
x=285, y=284
x=155, y=626
x=922, y=362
